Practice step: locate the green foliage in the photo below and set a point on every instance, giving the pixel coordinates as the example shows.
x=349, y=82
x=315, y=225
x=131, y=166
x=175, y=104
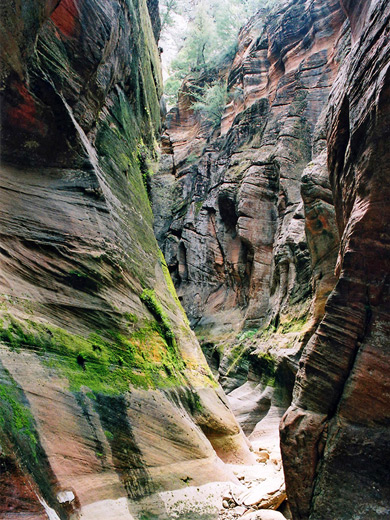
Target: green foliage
x=248, y=334
x=132, y=318
x=265, y=333
x=194, y=403
x=144, y=162
x=167, y=9
x=148, y=516
x=211, y=102
x=198, y=206
x=172, y=86
x=211, y=36
x=192, y=158
x=124, y=144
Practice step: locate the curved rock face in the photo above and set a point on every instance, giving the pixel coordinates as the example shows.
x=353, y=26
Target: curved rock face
x=234, y=233
x=262, y=208
x=336, y=437
x=105, y=396
x=244, y=212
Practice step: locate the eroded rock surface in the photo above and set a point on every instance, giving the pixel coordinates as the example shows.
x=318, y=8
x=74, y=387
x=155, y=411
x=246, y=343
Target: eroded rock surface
x=244, y=211
x=234, y=234
x=106, y=399
x=335, y=437
x=263, y=207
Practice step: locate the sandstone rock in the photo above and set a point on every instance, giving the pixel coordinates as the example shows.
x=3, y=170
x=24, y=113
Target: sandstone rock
x=235, y=236
x=337, y=431
x=91, y=327
x=269, y=494
x=239, y=511
x=262, y=456
x=250, y=236
x=264, y=514
x=250, y=404
x=65, y=496
x=321, y=231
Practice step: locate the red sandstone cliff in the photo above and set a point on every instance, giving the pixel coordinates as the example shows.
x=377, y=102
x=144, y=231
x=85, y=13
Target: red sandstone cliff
x=245, y=248
x=105, y=398
x=335, y=436
x=234, y=234
x=261, y=208
x=104, y=393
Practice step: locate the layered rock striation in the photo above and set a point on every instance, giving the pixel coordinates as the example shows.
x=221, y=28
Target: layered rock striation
x=232, y=223
x=276, y=222
x=244, y=211
x=105, y=396
x=335, y=436
x=107, y=406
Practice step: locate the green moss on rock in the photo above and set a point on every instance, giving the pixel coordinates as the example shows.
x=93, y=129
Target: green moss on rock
x=293, y=325
x=107, y=361
x=265, y=364
x=170, y=285
x=148, y=297
x=16, y=417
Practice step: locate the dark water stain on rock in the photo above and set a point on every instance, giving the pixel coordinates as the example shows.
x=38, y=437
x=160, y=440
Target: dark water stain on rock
x=127, y=457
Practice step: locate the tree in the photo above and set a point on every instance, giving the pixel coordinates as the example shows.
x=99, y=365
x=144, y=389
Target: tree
x=213, y=26
x=211, y=102
x=200, y=42
x=167, y=9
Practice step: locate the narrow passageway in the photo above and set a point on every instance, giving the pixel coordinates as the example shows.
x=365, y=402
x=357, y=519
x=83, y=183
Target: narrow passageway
x=243, y=152
x=194, y=275
x=261, y=486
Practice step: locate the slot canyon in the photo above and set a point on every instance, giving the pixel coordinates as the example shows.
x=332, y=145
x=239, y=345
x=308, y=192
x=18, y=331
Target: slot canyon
x=194, y=311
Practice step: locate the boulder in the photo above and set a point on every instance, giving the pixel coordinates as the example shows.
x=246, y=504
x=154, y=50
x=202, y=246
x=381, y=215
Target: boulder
x=269, y=494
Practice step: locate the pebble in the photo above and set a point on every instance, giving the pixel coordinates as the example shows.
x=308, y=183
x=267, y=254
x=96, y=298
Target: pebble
x=264, y=514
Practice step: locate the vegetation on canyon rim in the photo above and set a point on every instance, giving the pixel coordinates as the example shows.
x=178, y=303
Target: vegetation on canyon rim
x=210, y=39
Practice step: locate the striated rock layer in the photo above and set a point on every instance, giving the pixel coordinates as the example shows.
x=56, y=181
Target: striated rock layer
x=244, y=211
x=336, y=436
x=228, y=211
x=254, y=215
x=105, y=396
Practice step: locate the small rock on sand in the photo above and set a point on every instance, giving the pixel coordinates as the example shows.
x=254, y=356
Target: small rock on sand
x=264, y=514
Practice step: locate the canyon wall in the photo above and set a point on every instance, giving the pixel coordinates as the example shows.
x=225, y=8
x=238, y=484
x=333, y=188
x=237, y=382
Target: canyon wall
x=274, y=225
x=244, y=211
x=231, y=220
x=335, y=436
x=106, y=399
